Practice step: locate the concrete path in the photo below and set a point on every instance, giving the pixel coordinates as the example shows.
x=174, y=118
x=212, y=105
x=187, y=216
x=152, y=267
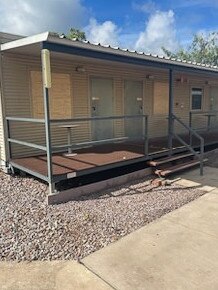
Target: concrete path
x=210, y=177
x=178, y=251
x=58, y=275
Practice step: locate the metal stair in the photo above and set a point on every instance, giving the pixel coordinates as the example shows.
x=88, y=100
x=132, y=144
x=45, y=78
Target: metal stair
x=166, y=166
x=167, y=159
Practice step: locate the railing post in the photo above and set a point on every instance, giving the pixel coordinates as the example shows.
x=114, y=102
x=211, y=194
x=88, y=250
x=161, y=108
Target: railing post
x=190, y=125
x=202, y=158
x=146, y=135
x=8, y=142
x=170, y=117
x=46, y=85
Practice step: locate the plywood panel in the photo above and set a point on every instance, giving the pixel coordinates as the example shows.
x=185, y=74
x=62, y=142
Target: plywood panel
x=161, y=98
x=59, y=95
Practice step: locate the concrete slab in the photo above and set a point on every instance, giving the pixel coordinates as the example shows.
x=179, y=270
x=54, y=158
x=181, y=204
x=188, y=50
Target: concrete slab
x=210, y=177
x=74, y=193
x=56, y=275
x=174, y=252
x=202, y=214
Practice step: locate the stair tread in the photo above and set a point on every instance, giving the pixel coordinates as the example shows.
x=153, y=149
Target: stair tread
x=169, y=159
x=176, y=168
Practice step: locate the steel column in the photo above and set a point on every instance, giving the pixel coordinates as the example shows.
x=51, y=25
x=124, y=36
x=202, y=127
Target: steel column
x=190, y=125
x=6, y=145
x=9, y=143
x=48, y=137
x=170, y=117
x=146, y=134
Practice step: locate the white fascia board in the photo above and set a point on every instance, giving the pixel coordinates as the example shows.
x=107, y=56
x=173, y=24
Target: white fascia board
x=25, y=41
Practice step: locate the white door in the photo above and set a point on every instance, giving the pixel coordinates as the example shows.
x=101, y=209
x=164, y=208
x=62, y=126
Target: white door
x=133, y=99
x=102, y=106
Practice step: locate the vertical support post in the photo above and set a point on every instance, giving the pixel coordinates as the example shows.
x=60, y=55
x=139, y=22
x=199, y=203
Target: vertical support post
x=146, y=134
x=69, y=140
x=48, y=140
x=202, y=158
x=46, y=85
x=190, y=126
x=8, y=136
x=170, y=117
x=6, y=145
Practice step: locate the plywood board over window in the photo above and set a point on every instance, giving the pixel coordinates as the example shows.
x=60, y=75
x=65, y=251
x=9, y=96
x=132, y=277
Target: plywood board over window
x=161, y=98
x=59, y=96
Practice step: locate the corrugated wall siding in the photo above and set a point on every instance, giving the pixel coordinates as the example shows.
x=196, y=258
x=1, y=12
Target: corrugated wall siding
x=18, y=97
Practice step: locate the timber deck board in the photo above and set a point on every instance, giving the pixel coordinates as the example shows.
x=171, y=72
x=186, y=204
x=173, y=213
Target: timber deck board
x=169, y=159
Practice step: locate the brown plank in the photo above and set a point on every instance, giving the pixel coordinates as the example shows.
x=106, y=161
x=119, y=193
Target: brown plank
x=176, y=168
x=169, y=159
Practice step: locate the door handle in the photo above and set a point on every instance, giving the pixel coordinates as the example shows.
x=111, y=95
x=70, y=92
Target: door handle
x=93, y=108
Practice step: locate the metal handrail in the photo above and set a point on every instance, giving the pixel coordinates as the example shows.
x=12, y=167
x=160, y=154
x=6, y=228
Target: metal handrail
x=203, y=112
x=21, y=119
x=200, y=155
x=83, y=119
x=78, y=119
x=208, y=114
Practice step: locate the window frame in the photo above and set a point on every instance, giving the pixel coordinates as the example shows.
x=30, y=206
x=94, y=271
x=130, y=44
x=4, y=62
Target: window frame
x=191, y=98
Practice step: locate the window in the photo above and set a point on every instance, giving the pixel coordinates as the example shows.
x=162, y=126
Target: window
x=196, y=98
x=161, y=98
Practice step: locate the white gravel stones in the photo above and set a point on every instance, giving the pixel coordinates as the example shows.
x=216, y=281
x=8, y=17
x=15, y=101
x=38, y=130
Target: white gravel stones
x=32, y=230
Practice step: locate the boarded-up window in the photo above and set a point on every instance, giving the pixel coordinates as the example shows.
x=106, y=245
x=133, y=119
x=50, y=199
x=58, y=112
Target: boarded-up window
x=59, y=95
x=161, y=98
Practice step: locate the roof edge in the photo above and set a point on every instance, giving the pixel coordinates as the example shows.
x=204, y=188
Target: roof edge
x=25, y=41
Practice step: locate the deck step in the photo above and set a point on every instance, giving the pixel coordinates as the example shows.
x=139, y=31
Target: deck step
x=164, y=160
x=176, y=168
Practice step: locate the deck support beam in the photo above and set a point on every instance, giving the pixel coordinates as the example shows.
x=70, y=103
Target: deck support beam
x=170, y=116
x=47, y=124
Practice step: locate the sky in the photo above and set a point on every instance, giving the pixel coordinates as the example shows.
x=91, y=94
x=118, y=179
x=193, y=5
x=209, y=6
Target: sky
x=135, y=24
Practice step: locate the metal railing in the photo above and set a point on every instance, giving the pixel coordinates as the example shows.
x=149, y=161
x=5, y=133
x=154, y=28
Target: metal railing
x=191, y=131
x=208, y=115
x=144, y=135
x=58, y=148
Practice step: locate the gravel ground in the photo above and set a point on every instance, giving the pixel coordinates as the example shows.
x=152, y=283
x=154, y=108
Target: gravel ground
x=32, y=230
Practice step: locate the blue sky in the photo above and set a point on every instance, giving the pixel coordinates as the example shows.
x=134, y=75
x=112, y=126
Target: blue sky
x=136, y=24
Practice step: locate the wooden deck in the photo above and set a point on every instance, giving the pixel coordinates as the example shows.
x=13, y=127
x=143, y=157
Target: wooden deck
x=85, y=159
x=102, y=156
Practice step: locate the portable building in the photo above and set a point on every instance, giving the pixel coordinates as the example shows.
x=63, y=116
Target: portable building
x=107, y=107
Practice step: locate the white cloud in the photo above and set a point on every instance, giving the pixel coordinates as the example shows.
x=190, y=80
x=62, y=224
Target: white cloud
x=146, y=7
x=104, y=33
x=34, y=16
x=159, y=31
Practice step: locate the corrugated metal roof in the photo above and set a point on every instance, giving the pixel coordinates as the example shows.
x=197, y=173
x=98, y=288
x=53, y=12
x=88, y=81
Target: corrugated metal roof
x=56, y=38
x=155, y=56
x=6, y=37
